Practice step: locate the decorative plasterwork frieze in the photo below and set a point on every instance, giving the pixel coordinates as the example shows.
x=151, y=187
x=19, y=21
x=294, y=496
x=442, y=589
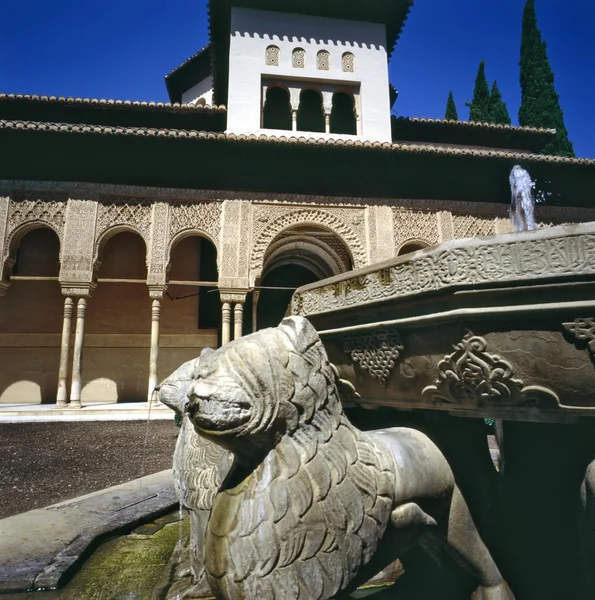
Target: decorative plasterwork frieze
x=583, y=330
x=515, y=257
x=29, y=209
x=189, y=217
x=79, y=239
x=473, y=377
x=376, y=352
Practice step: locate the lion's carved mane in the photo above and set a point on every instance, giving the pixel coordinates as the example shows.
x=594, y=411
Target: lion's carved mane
x=308, y=516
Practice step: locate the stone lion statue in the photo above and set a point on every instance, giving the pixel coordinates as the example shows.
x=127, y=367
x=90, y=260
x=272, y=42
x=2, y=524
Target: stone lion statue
x=199, y=468
x=312, y=507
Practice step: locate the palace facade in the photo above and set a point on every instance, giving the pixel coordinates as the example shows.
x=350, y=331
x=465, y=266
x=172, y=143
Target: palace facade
x=134, y=234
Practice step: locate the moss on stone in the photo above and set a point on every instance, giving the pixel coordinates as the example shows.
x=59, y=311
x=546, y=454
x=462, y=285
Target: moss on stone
x=125, y=568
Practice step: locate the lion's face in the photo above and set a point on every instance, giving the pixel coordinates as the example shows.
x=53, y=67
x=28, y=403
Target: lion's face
x=238, y=389
x=219, y=404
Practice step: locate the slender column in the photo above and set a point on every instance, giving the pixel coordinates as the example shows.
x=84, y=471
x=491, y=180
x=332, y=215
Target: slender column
x=155, y=318
x=327, y=123
x=238, y=319
x=294, y=120
x=225, y=323
x=255, y=296
x=62, y=395
x=77, y=359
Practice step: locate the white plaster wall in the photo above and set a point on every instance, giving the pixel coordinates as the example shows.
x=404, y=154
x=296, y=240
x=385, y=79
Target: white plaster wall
x=203, y=89
x=252, y=31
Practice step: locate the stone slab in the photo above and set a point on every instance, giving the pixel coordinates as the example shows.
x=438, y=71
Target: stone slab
x=39, y=548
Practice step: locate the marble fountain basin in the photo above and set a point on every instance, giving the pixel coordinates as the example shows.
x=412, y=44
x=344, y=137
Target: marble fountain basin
x=500, y=326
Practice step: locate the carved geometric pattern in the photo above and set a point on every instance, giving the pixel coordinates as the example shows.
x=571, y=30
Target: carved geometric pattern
x=518, y=260
x=348, y=62
x=583, y=330
x=272, y=56
x=127, y=211
x=466, y=226
x=79, y=237
x=323, y=60
x=418, y=225
x=376, y=353
x=471, y=376
x=298, y=58
x=198, y=216
x=269, y=221
x=48, y=208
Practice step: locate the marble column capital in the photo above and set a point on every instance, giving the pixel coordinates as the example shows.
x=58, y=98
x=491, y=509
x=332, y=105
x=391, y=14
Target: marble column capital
x=156, y=291
x=77, y=289
x=233, y=296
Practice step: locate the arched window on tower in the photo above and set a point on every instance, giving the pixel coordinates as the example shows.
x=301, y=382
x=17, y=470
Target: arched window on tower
x=272, y=56
x=277, y=109
x=310, y=115
x=343, y=114
x=348, y=61
x=323, y=60
x=298, y=58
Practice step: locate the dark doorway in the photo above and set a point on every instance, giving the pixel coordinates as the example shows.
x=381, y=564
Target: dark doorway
x=273, y=304
x=310, y=116
x=343, y=114
x=277, y=109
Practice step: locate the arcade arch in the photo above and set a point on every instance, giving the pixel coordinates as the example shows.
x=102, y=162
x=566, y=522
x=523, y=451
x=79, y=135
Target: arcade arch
x=297, y=256
x=31, y=318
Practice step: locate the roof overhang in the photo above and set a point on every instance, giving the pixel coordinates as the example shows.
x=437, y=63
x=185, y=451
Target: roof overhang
x=208, y=160
x=192, y=71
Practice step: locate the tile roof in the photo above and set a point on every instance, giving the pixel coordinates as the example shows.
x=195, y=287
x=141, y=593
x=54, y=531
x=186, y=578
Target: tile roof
x=102, y=102
x=189, y=59
x=476, y=125
x=410, y=148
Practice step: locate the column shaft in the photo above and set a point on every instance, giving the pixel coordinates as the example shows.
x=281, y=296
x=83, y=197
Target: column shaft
x=77, y=358
x=225, y=323
x=255, y=296
x=327, y=123
x=62, y=395
x=238, y=319
x=155, y=317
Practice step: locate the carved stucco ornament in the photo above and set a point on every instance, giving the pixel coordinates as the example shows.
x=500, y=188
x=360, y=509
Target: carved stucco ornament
x=376, y=352
x=583, y=330
x=473, y=377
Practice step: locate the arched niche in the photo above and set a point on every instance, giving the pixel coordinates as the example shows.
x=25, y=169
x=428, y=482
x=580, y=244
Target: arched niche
x=343, y=118
x=277, y=109
x=310, y=114
x=193, y=258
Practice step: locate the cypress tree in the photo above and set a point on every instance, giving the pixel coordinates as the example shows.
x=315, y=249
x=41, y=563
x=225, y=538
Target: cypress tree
x=498, y=113
x=451, y=109
x=540, y=106
x=479, y=107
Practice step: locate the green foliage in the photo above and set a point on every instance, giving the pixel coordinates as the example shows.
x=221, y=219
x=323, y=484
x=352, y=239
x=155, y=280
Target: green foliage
x=497, y=112
x=451, y=109
x=178, y=420
x=479, y=107
x=540, y=105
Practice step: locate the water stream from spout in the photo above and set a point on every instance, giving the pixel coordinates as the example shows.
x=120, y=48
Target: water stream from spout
x=522, y=204
x=146, y=441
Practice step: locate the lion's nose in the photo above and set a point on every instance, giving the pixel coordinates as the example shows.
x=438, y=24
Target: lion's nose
x=201, y=389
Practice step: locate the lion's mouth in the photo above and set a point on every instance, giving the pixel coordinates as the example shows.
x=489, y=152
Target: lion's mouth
x=218, y=415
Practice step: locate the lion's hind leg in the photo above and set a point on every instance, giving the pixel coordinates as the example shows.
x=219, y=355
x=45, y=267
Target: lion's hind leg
x=463, y=537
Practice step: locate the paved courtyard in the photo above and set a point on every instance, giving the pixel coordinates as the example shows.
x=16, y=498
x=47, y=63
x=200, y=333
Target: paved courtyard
x=45, y=463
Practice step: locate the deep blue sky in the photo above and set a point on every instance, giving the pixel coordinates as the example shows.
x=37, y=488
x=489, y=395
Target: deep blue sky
x=122, y=49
